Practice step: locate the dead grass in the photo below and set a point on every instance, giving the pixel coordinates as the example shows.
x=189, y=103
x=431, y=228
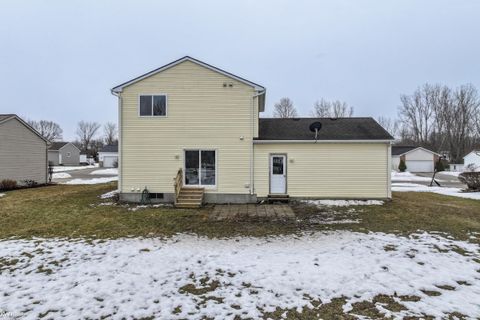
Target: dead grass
x=74, y=211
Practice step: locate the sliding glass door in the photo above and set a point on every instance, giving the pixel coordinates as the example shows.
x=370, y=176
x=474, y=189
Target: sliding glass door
x=200, y=167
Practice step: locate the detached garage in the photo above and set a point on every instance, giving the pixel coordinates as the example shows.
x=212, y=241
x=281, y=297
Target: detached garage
x=417, y=159
x=108, y=156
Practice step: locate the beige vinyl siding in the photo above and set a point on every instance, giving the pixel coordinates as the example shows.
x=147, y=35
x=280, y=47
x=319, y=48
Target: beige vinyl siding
x=201, y=114
x=23, y=154
x=328, y=170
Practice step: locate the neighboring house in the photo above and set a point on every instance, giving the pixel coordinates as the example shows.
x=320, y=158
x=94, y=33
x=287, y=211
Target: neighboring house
x=192, y=116
x=473, y=158
x=63, y=153
x=417, y=159
x=23, y=151
x=108, y=156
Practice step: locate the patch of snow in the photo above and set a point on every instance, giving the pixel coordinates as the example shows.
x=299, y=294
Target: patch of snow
x=61, y=175
x=135, y=278
x=408, y=176
x=345, y=203
x=106, y=204
x=109, y=195
x=343, y=221
x=414, y=187
x=2, y=194
x=92, y=181
x=158, y=205
x=451, y=173
x=72, y=168
x=110, y=171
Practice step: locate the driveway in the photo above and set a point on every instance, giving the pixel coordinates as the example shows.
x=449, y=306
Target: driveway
x=84, y=174
x=445, y=179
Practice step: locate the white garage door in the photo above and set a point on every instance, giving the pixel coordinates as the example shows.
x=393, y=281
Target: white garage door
x=419, y=165
x=108, y=162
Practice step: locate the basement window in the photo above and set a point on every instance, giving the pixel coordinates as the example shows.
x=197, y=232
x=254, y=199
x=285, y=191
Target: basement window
x=153, y=106
x=156, y=195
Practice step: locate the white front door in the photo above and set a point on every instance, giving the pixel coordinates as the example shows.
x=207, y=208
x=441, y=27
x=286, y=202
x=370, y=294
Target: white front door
x=278, y=174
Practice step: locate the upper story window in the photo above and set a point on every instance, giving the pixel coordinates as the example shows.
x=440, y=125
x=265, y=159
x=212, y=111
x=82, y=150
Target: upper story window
x=153, y=106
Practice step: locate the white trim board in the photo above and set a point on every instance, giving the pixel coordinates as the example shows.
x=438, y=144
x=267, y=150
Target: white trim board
x=319, y=141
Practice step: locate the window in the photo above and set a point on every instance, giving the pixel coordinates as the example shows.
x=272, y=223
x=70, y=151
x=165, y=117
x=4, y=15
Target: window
x=200, y=167
x=68, y=154
x=153, y=106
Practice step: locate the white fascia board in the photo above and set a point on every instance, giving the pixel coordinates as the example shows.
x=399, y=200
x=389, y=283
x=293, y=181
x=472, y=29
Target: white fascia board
x=319, y=141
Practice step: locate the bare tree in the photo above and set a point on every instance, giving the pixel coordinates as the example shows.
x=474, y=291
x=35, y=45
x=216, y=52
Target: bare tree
x=391, y=125
x=284, y=109
x=47, y=129
x=417, y=112
x=442, y=119
x=331, y=109
x=110, y=133
x=86, y=132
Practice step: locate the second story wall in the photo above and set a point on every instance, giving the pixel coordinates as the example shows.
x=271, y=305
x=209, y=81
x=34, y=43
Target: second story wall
x=201, y=113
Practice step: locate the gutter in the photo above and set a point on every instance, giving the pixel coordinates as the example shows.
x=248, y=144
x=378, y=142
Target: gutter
x=119, y=161
x=319, y=141
x=252, y=150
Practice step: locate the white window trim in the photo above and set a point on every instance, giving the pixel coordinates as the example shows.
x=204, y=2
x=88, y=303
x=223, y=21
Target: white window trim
x=207, y=186
x=152, y=94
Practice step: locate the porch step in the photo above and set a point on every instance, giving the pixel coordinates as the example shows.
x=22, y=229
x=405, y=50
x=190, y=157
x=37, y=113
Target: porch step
x=278, y=198
x=190, y=198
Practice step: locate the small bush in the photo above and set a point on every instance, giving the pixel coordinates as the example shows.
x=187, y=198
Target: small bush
x=402, y=166
x=115, y=164
x=29, y=183
x=439, y=166
x=471, y=179
x=8, y=184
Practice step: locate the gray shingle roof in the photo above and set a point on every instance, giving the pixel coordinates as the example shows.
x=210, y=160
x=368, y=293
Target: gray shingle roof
x=398, y=150
x=57, y=145
x=110, y=148
x=332, y=129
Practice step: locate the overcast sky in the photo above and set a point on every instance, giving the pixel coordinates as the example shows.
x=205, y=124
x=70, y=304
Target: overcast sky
x=59, y=59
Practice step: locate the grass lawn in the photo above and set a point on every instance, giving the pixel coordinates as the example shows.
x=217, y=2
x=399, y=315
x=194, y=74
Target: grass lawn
x=376, y=274
x=75, y=211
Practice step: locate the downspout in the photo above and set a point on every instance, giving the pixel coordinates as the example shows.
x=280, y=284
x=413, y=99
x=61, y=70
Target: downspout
x=117, y=94
x=252, y=125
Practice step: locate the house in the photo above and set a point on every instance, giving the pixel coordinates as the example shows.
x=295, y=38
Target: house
x=472, y=159
x=23, y=151
x=108, y=156
x=63, y=153
x=417, y=159
x=189, y=131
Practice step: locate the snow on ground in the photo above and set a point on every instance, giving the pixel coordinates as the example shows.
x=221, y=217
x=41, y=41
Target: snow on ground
x=109, y=195
x=408, y=176
x=451, y=173
x=92, y=181
x=2, y=194
x=414, y=187
x=73, y=168
x=135, y=278
x=110, y=171
x=61, y=175
x=345, y=203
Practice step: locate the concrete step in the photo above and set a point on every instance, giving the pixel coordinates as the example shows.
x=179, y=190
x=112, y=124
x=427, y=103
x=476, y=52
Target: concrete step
x=278, y=198
x=187, y=206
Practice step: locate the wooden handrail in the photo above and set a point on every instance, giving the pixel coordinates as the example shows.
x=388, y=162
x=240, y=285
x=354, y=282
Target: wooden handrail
x=178, y=183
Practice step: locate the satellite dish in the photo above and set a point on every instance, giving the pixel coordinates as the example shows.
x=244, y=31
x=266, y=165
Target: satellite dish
x=315, y=127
